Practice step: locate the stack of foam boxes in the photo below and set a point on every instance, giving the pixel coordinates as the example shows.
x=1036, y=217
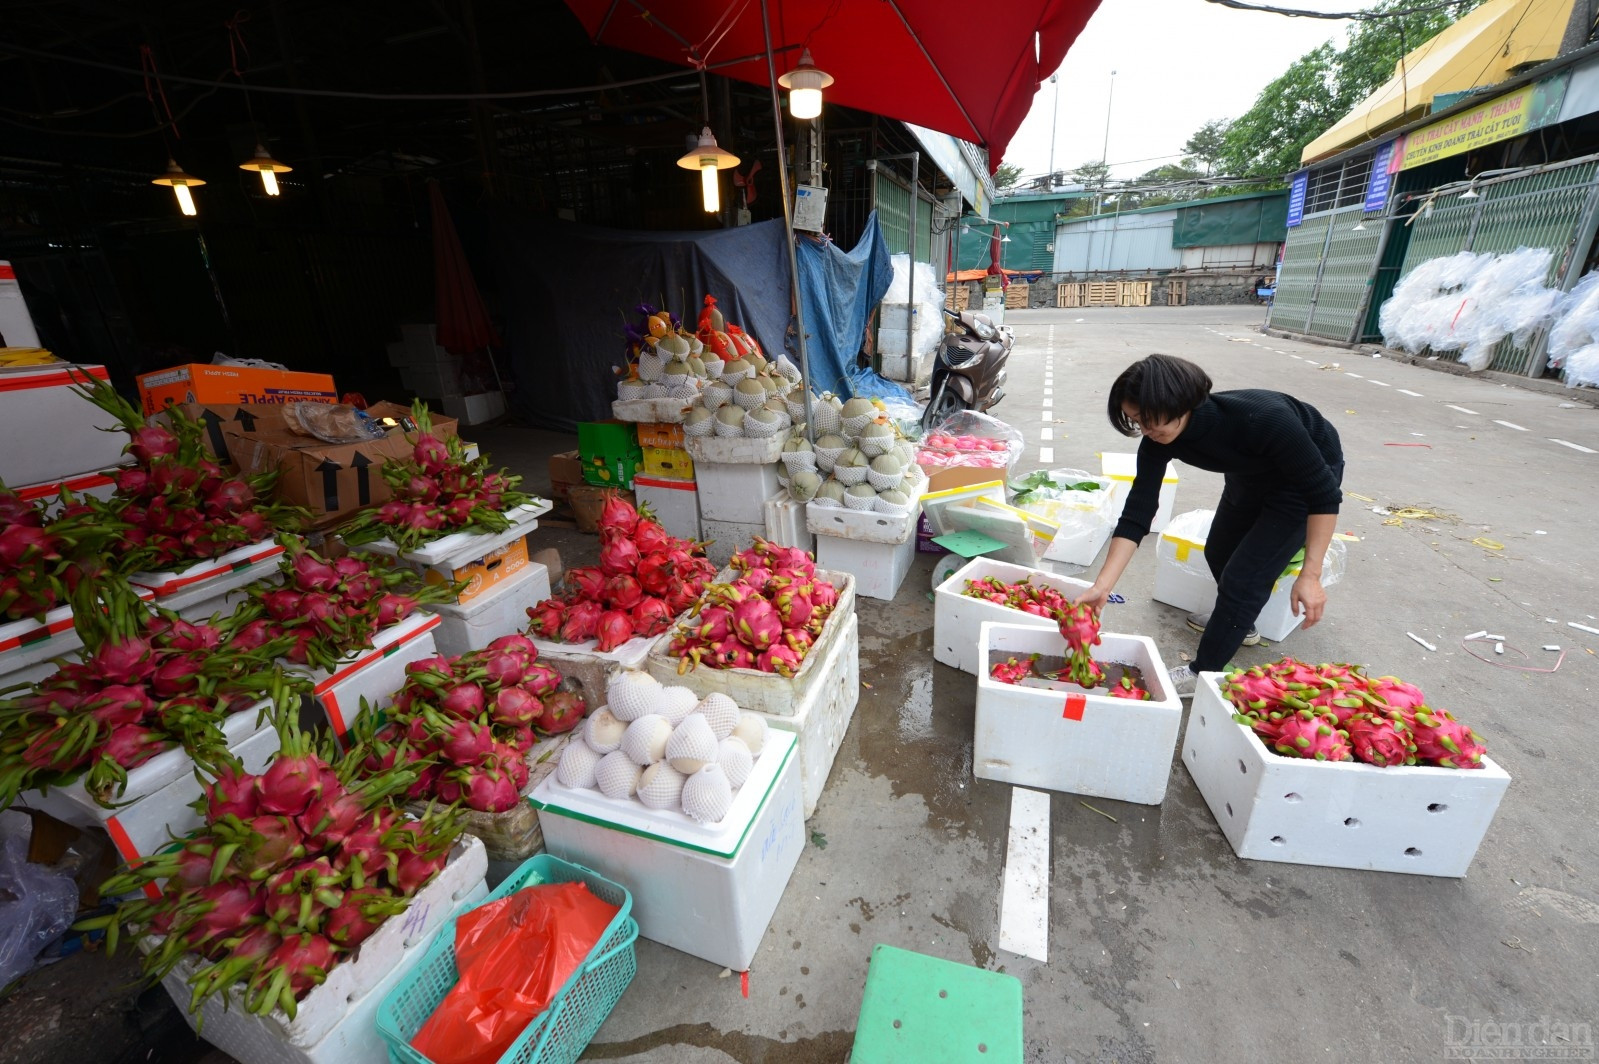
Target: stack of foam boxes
x=877, y=548
x=733, y=476
x=428, y=370
x=665, y=483
x=907, y=337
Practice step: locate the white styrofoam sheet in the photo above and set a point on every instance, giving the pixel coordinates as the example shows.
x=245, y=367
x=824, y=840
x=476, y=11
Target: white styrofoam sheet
x=376, y=673
x=661, y=411
x=37, y=403
x=1416, y=819
x=734, y=450
x=172, y=584
x=29, y=642
x=1115, y=748
x=1024, y=889
x=459, y=548
x=957, y=618
x=675, y=504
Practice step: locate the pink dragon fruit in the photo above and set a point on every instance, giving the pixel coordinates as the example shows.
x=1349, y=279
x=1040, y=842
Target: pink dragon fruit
x=651, y=616
x=1011, y=670
x=544, y=620
x=1127, y=689
x=714, y=624
x=622, y=592
x=778, y=658
x=1080, y=627
x=614, y=628
x=757, y=624
x=618, y=513
x=1398, y=696
x=587, y=581
x=582, y=622
x=649, y=536
x=618, y=555
x=431, y=454
x=1445, y=742
x=1379, y=741
x=1254, y=690
x=1308, y=736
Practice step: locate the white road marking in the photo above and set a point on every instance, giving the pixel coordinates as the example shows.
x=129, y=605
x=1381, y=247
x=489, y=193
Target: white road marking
x=1049, y=391
x=1048, y=401
x=1509, y=425
x=1354, y=375
x=1407, y=391
x=1024, y=894
x=1573, y=446
x=1462, y=409
x=1046, y=455
x=1048, y=416
x=1382, y=384
x=1046, y=433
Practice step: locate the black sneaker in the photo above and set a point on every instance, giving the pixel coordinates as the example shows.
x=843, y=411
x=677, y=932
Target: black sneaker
x=1197, y=622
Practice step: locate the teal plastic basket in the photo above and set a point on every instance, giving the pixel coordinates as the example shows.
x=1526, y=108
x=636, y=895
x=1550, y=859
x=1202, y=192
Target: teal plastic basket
x=559, y=1034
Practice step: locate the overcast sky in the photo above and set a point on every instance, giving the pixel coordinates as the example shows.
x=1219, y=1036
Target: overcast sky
x=1178, y=63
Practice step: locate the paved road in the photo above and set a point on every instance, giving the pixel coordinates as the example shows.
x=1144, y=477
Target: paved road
x=1163, y=945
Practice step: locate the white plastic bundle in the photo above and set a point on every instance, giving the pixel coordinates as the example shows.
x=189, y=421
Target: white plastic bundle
x=1578, y=326
x=1468, y=302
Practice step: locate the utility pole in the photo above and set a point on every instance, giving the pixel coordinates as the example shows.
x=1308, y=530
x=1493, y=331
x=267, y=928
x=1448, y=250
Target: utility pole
x=1104, y=151
x=1054, y=124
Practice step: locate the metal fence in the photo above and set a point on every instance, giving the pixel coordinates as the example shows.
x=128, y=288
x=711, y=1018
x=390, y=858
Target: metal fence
x=1296, y=284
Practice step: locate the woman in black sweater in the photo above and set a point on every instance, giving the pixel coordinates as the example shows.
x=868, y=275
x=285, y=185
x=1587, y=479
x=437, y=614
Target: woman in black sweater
x=1283, y=465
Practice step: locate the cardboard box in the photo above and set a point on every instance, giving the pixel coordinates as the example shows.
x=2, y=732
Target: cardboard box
x=566, y=472
x=332, y=480
x=588, y=500
x=943, y=478
x=663, y=434
x=241, y=385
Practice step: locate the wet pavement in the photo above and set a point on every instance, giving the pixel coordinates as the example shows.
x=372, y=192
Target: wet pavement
x=1163, y=946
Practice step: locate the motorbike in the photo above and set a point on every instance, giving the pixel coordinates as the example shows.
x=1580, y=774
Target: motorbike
x=970, y=371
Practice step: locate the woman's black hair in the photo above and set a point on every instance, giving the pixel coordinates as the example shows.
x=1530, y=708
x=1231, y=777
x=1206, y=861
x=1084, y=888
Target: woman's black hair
x=1160, y=387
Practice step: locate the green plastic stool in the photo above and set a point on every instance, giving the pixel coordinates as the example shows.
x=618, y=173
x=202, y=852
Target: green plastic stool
x=918, y=1009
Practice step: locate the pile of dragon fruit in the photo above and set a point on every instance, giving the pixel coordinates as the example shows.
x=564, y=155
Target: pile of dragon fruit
x=292, y=871
x=665, y=747
x=645, y=578
x=1040, y=600
x=1015, y=670
x=465, y=724
x=128, y=699
x=437, y=493
x=178, y=504
x=1338, y=713
x=43, y=557
x=1079, y=626
x=329, y=608
x=767, y=618
x=939, y=450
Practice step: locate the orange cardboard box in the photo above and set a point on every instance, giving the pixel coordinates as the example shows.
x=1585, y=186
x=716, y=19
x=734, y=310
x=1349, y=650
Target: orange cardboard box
x=235, y=385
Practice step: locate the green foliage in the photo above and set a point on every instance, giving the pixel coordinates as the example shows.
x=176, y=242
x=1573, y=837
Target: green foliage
x=1006, y=175
x=1207, y=143
x=1170, y=173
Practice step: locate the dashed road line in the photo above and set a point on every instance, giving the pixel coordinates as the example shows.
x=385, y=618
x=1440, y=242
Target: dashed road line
x=1380, y=384
x=1048, y=401
x=1046, y=455
x=1048, y=416
x=1407, y=391
x=1024, y=892
x=1046, y=433
x=1573, y=446
x=1049, y=391
x=1357, y=376
x=1462, y=409
x=1509, y=425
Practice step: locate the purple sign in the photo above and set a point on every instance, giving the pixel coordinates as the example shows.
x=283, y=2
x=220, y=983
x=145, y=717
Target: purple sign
x=1378, y=182
x=1296, y=198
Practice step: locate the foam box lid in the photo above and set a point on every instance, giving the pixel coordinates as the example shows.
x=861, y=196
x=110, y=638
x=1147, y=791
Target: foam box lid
x=674, y=827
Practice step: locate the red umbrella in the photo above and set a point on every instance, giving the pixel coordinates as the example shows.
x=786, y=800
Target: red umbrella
x=462, y=319
x=920, y=61
x=996, y=259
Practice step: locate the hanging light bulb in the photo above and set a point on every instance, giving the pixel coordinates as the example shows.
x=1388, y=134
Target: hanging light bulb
x=805, y=84
x=1005, y=239
x=268, y=168
x=1359, y=225
x=707, y=158
x=180, y=184
x=1471, y=191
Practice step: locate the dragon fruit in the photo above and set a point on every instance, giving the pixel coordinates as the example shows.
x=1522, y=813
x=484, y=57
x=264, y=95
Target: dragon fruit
x=1255, y=690
x=1442, y=740
x=614, y=628
x=1127, y=689
x=1080, y=627
x=1307, y=735
x=582, y=622
x=1398, y=696
x=757, y=623
x=1380, y=741
x=1012, y=670
x=545, y=619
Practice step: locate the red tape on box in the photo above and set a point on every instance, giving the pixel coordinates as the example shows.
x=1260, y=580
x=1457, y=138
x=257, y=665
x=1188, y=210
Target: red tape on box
x=1074, y=707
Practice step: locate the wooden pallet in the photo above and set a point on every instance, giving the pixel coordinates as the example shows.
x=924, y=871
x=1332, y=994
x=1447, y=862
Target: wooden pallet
x=1102, y=294
x=1176, y=293
x=1017, y=295
x=963, y=295
x=1069, y=295
x=1134, y=294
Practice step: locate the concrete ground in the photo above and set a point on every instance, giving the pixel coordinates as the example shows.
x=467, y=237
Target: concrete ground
x=1163, y=946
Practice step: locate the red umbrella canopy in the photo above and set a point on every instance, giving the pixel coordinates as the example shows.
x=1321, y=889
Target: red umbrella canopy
x=920, y=61
x=463, y=324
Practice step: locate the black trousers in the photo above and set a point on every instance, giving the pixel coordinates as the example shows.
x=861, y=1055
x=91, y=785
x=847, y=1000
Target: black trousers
x=1257, y=530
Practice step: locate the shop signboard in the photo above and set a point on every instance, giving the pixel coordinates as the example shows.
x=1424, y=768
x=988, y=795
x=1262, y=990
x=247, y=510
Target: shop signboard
x=1296, y=198
x=1525, y=109
x=1380, y=179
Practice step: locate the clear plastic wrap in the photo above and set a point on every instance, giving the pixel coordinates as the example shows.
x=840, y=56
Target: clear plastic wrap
x=1468, y=302
x=37, y=905
x=1193, y=527
x=967, y=438
x=331, y=423
x=1574, y=339
x=1078, y=501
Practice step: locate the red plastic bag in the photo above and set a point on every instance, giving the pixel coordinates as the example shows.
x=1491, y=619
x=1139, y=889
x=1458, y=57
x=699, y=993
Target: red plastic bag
x=513, y=956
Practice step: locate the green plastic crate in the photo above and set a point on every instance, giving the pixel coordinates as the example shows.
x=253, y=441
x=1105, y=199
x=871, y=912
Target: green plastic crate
x=917, y=1009
x=561, y=1033
x=606, y=438
x=616, y=471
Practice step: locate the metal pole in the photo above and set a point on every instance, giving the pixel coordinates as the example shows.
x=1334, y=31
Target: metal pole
x=1054, y=124
x=788, y=225
x=910, y=264
x=1104, y=151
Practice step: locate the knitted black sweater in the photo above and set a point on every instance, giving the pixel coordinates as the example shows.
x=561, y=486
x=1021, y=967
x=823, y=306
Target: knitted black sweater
x=1265, y=442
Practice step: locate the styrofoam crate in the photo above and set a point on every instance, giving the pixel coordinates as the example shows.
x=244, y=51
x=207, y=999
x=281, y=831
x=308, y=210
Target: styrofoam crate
x=709, y=890
x=734, y=450
x=207, y=583
x=957, y=618
x=902, y=316
x=1123, y=468
x=376, y=673
x=675, y=504
x=474, y=409
x=94, y=485
x=734, y=492
x=48, y=431
x=878, y=568
x=1078, y=546
x=824, y=716
x=765, y=692
x=483, y=620
x=1416, y=819
x=1059, y=737
x=584, y=667
x=899, y=367
x=785, y=523
x=865, y=526
x=71, y=801
x=459, y=548
x=29, y=642
x=727, y=538
x=669, y=411
x=336, y=1022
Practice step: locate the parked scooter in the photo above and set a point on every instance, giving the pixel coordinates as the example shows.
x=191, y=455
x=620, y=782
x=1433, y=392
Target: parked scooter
x=970, y=371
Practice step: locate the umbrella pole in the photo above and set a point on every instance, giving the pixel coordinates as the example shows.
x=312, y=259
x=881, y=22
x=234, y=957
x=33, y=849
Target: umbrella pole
x=788, y=225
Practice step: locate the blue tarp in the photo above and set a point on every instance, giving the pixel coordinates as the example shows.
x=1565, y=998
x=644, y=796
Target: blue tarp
x=840, y=289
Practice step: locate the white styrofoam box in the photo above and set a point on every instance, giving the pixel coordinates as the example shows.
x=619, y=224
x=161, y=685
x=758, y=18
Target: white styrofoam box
x=824, y=716
x=336, y=1022
x=48, y=431
x=727, y=538
x=71, y=801
x=1078, y=546
x=785, y=523
x=866, y=526
x=583, y=666
x=29, y=642
x=675, y=504
x=94, y=485
x=734, y=492
x=1056, y=736
x=16, y=324
x=376, y=673
x=901, y=316
x=734, y=450
x=897, y=367
x=210, y=580
x=459, y=548
x=1122, y=468
x=766, y=692
x=661, y=411
x=708, y=890
x=957, y=618
x=878, y=568
x=474, y=409
x=1418, y=819
x=483, y=620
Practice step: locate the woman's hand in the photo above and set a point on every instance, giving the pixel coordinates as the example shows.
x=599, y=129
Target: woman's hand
x=1095, y=596
x=1309, y=598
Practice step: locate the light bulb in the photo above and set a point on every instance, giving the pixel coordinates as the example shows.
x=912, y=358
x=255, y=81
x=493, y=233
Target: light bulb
x=185, y=200
x=805, y=103
x=710, y=187
x=269, y=181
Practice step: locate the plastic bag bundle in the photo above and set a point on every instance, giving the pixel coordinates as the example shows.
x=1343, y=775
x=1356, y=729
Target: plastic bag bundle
x=967, y=438
x=1578, y=326
x=1468, y=302
x=37, y=905
x=1075, y=500
x=1582, y=367
x=903, y=289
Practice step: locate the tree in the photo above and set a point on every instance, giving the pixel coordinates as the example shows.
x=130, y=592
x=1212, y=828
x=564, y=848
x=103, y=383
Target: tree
x=1093, y=176
x=1169, y=174
x=1006, y=175
x=1207, y=143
